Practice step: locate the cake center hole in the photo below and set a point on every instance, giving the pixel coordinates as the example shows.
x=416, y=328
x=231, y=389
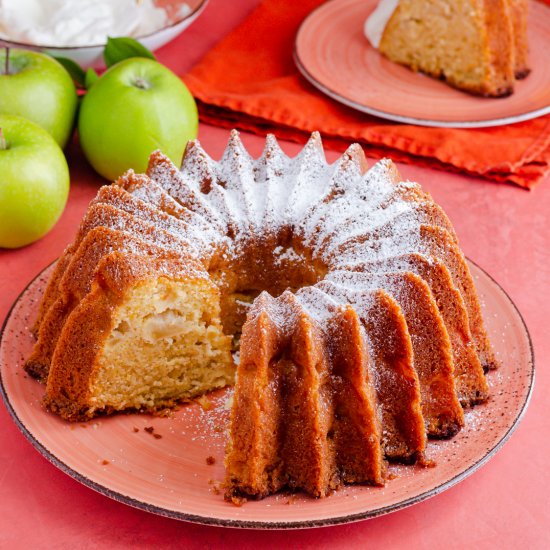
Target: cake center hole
x=284, y=264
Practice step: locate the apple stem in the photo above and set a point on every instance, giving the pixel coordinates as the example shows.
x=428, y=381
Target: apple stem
x=141, y=83
x=3, y=143
x=7, y=67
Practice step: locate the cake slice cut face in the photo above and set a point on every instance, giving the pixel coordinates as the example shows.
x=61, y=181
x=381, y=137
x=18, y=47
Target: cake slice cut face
x=76, y=280
x=343, y=288
x=146, y=336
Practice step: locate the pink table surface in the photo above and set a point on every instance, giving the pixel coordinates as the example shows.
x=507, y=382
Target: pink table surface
x=505, y=504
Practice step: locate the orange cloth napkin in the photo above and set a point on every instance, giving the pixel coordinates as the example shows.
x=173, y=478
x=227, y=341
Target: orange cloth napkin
x=249, y=81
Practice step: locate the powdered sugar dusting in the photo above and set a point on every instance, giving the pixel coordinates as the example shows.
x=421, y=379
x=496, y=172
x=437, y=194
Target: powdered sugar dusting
x=348, y=216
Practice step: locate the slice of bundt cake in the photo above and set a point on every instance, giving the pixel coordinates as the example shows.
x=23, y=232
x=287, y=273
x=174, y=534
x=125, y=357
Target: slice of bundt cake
x=477, y=46
x=344, y=289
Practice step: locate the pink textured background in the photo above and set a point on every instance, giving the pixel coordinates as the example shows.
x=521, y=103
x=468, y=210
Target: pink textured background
x=504, y=505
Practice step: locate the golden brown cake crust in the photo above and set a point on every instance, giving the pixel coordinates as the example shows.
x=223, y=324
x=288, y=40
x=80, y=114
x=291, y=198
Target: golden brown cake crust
x=304, y=414
x=433, y=361
x=471, y=385
x=519, y=13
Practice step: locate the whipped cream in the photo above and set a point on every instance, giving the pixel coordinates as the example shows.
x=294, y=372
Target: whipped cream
x=79, y=22
x=376, y=22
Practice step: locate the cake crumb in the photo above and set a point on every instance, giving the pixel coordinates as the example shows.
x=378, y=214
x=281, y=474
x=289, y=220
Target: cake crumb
x=135, y=430
x=105, y=462
x=228, y=403
x=427, y=462
x=151, y=430
x=205, y=403
x=292, y=499
x=164, y=413
x=210, y=460
x=237, y=500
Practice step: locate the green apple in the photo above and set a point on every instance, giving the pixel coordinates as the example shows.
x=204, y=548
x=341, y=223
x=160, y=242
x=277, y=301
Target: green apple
x=37, y=87
x=137, y=106
x=34, y=181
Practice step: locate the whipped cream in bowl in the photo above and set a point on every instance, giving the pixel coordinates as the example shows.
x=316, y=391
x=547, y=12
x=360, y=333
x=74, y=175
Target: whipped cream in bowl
x=79, y=29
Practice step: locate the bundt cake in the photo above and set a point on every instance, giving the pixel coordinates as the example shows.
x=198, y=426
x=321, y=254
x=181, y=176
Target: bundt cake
x=343, y=290
x=477, y=46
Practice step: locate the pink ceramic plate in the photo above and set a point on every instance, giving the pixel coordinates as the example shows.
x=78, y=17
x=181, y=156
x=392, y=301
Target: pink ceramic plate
x=334, y=55
x=166, y=472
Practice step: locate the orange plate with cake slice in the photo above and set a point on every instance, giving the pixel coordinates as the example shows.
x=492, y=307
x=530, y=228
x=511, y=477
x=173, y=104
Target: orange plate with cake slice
x=331, y=51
